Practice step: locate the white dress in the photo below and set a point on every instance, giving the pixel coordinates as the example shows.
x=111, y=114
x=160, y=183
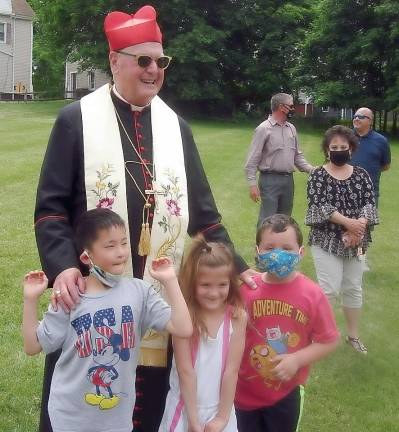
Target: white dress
x=208, y=368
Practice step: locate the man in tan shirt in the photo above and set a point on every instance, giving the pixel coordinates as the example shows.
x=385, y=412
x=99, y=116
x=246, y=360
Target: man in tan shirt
x=275, y=153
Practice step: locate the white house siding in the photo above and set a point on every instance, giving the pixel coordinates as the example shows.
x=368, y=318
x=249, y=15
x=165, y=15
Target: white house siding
x=16, y=51
x=82, y=79
x=23, y=53
x=5, y=7
x=6, y=56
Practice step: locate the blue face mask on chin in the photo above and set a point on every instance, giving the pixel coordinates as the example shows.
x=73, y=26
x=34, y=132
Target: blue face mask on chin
x=108, y=279
x=278, y=262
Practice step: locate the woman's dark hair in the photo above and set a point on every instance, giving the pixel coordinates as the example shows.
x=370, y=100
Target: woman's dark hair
x=278, y=223
x=93, y=221
x=344, y=132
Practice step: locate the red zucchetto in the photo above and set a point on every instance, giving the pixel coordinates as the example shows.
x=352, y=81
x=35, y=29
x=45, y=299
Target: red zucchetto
x=123, y=30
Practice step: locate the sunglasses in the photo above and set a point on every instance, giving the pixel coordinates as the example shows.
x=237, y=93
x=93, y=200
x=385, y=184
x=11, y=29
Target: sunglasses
x=360, y=117
x=144, y=60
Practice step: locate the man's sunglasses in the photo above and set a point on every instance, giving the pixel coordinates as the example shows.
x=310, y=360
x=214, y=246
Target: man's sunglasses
x=291, y=107
x=144, y=60
x=360, y=117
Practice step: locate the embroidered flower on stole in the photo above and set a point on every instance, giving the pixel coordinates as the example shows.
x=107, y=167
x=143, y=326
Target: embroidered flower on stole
x=105, y=190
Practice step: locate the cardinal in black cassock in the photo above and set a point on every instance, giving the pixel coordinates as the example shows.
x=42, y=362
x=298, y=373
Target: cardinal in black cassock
x=123, y=148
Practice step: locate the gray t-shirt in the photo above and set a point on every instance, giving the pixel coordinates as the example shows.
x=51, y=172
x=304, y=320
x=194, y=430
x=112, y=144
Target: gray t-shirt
x=93, y=386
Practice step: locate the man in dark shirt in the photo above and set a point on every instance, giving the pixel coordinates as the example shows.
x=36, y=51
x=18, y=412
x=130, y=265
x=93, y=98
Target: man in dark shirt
x=373, y=153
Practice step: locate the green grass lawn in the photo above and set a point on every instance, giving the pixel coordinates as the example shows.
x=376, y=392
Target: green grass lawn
x=345, y=393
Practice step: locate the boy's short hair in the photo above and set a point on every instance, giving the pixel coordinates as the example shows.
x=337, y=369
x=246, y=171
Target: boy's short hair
x=278, y=223
x=91, y=223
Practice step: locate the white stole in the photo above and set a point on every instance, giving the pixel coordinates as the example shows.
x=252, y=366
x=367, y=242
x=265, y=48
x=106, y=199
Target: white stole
x=105, y=185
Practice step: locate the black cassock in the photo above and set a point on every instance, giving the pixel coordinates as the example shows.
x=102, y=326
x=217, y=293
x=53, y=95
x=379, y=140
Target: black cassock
x=61, y=199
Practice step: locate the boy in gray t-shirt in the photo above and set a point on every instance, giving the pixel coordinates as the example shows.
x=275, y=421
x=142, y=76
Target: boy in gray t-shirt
x=93, y=386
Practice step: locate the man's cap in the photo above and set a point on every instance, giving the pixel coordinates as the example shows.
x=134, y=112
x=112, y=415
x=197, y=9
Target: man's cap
x=123, y=30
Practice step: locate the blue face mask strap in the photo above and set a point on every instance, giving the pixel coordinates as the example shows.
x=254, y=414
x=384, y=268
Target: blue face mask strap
x=107, y=279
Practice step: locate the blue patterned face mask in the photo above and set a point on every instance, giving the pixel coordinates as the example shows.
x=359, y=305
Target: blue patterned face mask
x=279, y=262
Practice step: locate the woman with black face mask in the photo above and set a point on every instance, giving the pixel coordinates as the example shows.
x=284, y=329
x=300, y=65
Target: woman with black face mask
x=341, y=210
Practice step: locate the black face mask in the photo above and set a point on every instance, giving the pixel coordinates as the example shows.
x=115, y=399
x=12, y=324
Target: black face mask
x=340, y=158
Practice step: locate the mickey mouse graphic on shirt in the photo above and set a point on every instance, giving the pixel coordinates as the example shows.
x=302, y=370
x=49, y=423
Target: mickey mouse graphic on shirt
x=106, y=350
x=104, y=373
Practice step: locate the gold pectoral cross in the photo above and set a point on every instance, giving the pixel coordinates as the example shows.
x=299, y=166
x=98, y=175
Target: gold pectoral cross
x=154, y=190
x=155, y=193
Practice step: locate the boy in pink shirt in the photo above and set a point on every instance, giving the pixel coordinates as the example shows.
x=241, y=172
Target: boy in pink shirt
x=290, y=326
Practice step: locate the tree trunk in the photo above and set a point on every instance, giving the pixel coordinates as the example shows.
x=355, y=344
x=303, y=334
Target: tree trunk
x=380, y=120
x=384, y=126
x=394, y=123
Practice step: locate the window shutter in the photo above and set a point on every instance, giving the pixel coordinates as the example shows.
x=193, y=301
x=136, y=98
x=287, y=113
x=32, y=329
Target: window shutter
x=8, y=34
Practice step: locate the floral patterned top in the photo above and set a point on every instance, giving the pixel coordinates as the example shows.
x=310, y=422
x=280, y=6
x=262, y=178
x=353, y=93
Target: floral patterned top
x=352, y=197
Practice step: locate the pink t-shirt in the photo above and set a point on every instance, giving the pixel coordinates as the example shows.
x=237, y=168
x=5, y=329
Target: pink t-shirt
x=282, y=319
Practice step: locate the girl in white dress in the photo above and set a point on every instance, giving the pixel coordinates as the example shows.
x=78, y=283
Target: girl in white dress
x=205, y=368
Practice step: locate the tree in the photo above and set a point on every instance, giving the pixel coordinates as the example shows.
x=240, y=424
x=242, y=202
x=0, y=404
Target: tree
x=48, y=58
x=388, y=15
x=276, y=29
x=224, y=52
x=347, y=59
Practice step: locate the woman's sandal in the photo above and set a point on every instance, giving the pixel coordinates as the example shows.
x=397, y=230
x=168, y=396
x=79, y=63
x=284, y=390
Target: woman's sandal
x=356, y=344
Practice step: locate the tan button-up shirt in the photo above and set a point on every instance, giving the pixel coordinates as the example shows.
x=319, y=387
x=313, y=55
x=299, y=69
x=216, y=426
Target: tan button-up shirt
x=274, y=147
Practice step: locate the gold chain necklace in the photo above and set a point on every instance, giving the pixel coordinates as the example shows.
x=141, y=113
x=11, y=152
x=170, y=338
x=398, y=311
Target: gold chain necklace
x=144, y=246
x=134, y=148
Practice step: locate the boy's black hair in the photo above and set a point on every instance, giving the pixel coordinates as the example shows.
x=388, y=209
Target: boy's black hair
x=278, y=223
x=93, y=221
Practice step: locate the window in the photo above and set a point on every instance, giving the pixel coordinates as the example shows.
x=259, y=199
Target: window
x=91, y=80
x=325, y=109
x=73, y=81
x=3, y=28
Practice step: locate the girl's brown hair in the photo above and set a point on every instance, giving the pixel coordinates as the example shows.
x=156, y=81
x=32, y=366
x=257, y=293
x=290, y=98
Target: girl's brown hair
x=212, y=255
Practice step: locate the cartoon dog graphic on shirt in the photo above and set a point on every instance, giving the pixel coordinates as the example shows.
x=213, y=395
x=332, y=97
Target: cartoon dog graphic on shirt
x=103, y=374
x=259, y=359
x=276, y=343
